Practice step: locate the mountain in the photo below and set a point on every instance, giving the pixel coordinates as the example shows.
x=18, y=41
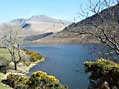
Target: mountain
x=42, y=21
x=21, y=22
x=36, y=37
x=44, y=18
x=36, y=26
x=85, y=31
x=109, y=15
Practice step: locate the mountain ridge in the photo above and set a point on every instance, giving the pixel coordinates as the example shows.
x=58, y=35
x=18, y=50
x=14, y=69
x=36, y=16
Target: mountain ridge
x=36, y=27
x=40, y=24
x=84, y=31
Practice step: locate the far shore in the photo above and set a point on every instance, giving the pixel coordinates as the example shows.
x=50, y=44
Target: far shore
x=64, y=42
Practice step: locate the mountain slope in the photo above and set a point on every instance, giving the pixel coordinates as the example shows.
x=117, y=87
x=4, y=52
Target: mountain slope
x=35, y=28
x=110, y=14
x=84, y=31
x=39, y=25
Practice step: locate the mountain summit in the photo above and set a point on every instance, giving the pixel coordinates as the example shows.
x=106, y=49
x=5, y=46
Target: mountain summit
x=44, y=18
x=40, y=24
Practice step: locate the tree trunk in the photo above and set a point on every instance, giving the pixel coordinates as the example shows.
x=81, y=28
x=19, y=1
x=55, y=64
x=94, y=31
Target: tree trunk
x=15, y=66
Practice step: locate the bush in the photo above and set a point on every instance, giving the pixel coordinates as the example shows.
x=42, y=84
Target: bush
x=17, y=81
x=38, y=80
x=34, y=56
x=103, y=72
x=42, y=80
x=3, y=64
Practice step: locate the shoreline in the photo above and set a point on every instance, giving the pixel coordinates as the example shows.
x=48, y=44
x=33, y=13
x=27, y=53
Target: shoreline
x=35, y=63
x=39, y=44
x=24, y=69
x=59, y=41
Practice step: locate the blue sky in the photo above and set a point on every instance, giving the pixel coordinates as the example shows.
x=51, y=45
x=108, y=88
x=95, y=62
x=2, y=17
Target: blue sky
x=62, y=9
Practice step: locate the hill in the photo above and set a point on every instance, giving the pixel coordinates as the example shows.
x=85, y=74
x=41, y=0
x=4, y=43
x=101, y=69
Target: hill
x=37, y=27
x=85, y=31
x=40, y=25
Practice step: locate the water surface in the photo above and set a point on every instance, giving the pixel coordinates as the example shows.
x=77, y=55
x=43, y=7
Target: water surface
x=66, y=62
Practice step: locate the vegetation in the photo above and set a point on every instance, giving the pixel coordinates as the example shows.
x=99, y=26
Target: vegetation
x=104, y=74
x=16, y=81
x=38, y=80
x=10, y=41
x=5, y=59
x=5, y=53
x=34, y=56
x=3, y=86
x=28, y=58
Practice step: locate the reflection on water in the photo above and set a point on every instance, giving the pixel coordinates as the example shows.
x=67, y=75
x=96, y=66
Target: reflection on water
x=66, y=62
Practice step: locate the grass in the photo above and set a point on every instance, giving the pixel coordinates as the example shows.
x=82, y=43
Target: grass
x=5, y=53
x=3, y=86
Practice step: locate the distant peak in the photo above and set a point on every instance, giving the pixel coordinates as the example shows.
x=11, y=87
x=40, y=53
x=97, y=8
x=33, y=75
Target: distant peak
x=45, y=18
x=41, y=16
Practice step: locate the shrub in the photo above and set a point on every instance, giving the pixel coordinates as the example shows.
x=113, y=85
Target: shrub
x=41, y=79
x=3, y=64
x=38, y=80
x=34, y=56
x=103, y=71
x=15, y=80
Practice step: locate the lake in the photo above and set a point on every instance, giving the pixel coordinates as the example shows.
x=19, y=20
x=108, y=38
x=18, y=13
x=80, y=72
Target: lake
x=66, y=62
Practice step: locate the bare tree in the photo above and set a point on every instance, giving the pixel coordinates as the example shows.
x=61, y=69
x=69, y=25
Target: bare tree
x=11, y=43
x=107, y=32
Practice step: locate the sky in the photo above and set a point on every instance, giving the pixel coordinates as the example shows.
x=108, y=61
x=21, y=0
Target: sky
x=61, y=9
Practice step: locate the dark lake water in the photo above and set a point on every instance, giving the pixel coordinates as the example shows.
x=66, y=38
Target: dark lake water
x=66, y=62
